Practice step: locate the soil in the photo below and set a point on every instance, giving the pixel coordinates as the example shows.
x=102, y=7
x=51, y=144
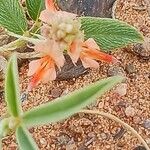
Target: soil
x=88, y=132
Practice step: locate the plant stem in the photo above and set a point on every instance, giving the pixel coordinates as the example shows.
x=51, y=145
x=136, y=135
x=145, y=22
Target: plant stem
x=114, y=118
x=29, y=55
x=6, y=50
x=13, y=45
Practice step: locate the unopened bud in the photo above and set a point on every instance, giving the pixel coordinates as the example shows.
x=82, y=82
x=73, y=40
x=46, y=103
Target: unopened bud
x=60, y=34
x=69, y=28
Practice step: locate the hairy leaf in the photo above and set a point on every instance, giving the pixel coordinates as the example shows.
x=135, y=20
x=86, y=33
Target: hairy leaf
x=12, y=16
x=66, y=106
x=25, y=140
x=12, y=92
x=110, y=33
x=34, y=8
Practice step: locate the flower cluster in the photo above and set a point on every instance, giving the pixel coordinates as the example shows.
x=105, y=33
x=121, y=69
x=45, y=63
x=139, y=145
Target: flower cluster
x=62, y=32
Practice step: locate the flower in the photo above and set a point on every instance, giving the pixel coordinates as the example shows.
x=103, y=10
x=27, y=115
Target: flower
x=90, y=53
x=44, y=69
x=61, y=32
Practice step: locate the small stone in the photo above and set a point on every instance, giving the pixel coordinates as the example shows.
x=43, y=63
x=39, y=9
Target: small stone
x=103, y=136
x=120, y=144
x=136, y=120
x=116, y=70
x=146, y=124
x=121, y=89
x=119, y=134
x=56, y=92
x=63, y=139
x=143, y=50
x=130, y=69
x=130, y=111
x=24, y=96
x=148, y=141
x=121, y=104
x=43, y=141
x=140, y=148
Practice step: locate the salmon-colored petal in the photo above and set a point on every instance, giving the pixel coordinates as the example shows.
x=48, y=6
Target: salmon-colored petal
x=40, y=72
x=91, y=44
x=64, y=14
x=49, y=75
x=33, y=67
x=75, y=50
x=101, y=56
x=45, y=30
x=89, y=63
x=50, y=5
x=47, y=16
x=52, y=49
x=34, y=81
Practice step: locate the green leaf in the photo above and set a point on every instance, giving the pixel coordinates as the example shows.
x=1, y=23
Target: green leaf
x=12, y=92
x=25, y=140
x=34, y=8
x=110, y=33
x=66, y=106
x=12, y=16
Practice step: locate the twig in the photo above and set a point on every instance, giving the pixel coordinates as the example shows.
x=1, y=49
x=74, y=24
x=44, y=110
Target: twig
x=29, y=55
x=13, y=45
x=112, y=117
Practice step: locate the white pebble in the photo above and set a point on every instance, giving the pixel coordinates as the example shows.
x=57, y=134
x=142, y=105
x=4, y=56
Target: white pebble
x=121, y=89
x=130, y=111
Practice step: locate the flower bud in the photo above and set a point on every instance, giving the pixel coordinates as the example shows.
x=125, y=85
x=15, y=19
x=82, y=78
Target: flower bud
x=60, y=34
x=69, y=28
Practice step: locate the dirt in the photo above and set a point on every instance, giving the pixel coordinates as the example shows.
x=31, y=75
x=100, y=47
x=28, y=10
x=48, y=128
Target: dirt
x=88, y=132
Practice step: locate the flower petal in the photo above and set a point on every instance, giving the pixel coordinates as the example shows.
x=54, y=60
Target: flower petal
x=75, y=50
x=52, y=49
x=50, y=5
x=33, y=67
x=101, y=56
x=91, y=44
x=45, y=30
x=89, y=63
x=49, y=75
x=47, y=16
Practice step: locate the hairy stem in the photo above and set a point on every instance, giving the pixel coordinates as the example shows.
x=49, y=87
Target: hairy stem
x=6, y=50
x=114, y=118
x=13, y=45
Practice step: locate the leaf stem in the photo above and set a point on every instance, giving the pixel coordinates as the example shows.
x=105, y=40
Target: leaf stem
x=114, y=118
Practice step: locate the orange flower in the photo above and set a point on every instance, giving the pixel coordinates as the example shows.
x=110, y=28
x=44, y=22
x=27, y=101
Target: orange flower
x=90, y=53
x=44, y=69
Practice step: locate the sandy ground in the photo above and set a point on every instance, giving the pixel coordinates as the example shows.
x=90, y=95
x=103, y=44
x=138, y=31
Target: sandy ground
x=88, y=132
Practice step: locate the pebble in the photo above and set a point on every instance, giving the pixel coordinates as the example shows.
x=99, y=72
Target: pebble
x=130, y=69
x=43, y=141
x=63, y=139
x=71, y=145
x=24, y=96
x=121, y=89
x=137, y=120
x=146, y=124
x=116, y=70
x=56, y=92
x=130, y=111
x=104, y=136
x=143, y=50
x=119, y=134
x=140, y=148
